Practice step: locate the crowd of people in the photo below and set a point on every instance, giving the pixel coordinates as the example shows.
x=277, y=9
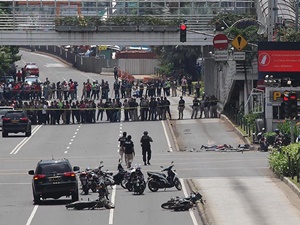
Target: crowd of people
x=56, y=103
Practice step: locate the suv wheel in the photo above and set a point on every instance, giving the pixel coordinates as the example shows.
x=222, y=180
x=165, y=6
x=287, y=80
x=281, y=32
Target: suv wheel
x=75, y=196
x=36, y=199
x=28, y=134
x=4, y=134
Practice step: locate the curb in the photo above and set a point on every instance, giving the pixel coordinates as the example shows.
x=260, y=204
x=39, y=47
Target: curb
x=289, y=183
x=170, y=125
x=200, y=207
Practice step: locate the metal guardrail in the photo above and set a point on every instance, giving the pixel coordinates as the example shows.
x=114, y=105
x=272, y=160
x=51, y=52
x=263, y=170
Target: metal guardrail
x=46, y=22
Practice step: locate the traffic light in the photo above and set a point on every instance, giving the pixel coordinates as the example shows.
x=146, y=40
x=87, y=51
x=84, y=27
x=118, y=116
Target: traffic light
x=293, y=105
x=286, y=105
x=182, y=32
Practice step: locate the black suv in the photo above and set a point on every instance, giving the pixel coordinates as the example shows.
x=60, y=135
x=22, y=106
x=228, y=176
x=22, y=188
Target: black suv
x=15, y=122
x=54, y=179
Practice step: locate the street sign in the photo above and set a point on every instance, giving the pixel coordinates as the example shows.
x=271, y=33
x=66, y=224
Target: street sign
x=239, y=56
x=220, y=41
x=239, y=42
x=221, y=55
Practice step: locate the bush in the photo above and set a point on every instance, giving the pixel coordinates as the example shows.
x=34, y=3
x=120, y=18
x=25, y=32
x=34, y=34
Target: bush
x=279, y=161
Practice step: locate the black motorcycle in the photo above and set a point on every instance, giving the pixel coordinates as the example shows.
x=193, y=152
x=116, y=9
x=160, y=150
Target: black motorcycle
x=181, y=204
x=85, y=182
x=158, y=180
x=136, y=182
x=120, y=176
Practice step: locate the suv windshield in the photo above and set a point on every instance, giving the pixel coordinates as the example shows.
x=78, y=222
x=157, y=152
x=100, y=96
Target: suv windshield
x=53, y=168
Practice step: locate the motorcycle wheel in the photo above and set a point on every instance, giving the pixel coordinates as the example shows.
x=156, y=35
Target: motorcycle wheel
x=123, y=184
x=129, y=187
x=153, y=186
x=168, y=205
x=85, y=190
x=178, y=185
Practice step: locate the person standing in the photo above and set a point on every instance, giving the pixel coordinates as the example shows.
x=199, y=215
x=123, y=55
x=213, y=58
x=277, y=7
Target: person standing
x=122, y=140
x=146, y=147
x=196, y=108
x=181, y=107
x=129, y=151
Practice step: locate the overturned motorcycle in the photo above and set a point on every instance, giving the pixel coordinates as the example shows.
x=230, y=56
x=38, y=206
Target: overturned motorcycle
x=102, y=201
x=182, y=204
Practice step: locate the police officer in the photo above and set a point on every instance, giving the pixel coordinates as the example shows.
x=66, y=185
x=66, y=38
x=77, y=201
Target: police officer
x=129, y=151
x=122, y=140
x=146, y=147
x=181, y=106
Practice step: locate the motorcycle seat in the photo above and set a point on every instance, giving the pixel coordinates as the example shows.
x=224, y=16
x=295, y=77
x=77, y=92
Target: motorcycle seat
x=156, y=174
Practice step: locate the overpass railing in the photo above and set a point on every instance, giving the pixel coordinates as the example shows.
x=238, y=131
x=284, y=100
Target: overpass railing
x=46, y=22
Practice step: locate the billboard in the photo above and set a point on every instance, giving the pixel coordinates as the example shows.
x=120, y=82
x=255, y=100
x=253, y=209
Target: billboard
x=280, y=59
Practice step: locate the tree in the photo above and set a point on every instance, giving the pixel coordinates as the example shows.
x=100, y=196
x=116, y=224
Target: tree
x=8, y=54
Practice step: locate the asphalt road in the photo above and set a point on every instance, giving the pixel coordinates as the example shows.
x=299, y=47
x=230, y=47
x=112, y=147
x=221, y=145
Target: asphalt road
x=238, y=187
x=84, y=145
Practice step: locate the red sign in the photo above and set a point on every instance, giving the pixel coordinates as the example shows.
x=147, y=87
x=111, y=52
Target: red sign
x=279, y=61
x=220, y=41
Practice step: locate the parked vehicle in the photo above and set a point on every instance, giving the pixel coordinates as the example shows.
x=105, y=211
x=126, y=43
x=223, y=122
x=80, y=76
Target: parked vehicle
x=32, y=68
x=54, y=179
x=16, y=121
x=136, y=182
x=179, y=203
x=158, y=180
x=120, y=176
x=84, y=181
x=3, y=111
x=32, y=79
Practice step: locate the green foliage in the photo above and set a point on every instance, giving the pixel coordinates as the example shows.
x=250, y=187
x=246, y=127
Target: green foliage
x=285, y=128
x=279, y=161
x=251, y=117
x=115, y=20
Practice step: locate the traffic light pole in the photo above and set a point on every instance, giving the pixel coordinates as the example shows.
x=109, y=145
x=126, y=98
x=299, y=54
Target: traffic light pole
x=292, y=127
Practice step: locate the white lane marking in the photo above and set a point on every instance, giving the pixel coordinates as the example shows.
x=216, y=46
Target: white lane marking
x=186, y=195
x=32, y=215
x=21, y=142
x=74, y=136
x=24, y=141
x=68, y=147
x=66, y=152
x=70, y=143
x=75, y=132
x=111, y=211
x=72, y=139
x=167, y=137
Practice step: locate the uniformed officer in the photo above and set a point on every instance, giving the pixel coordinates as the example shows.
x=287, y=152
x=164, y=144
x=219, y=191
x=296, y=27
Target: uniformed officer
x=146, y=147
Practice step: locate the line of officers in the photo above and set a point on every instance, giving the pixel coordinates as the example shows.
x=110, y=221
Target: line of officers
x=88, y=111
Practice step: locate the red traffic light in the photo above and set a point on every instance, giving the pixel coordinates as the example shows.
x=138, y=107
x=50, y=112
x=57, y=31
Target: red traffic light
x=182, y=27
x=285, y=97
x=293, y=96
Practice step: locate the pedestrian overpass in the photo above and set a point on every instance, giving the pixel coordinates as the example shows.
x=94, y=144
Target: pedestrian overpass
x=37, y=30
x=52, y=37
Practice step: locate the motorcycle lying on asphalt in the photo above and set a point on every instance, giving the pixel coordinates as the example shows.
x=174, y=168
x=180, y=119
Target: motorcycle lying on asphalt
x=182, y=204
x=158, y=180
x=136, y=182
x=102, y=201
